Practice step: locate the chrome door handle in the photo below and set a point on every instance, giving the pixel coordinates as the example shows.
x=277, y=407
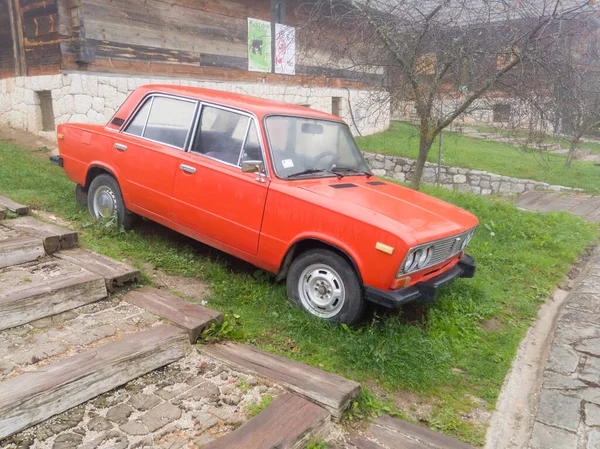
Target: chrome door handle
x=120, y=146
x=187, y=168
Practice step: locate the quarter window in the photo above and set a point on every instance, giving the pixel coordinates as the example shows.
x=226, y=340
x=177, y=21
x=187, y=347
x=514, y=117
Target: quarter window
x=136, y=126
x=221, y=134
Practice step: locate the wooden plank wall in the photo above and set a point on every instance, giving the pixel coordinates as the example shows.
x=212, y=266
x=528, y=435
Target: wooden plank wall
x=7, y=57
x=187, y=38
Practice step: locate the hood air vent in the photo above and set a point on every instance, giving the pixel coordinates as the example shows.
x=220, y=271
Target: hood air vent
x=376, y=183
x=343, y=186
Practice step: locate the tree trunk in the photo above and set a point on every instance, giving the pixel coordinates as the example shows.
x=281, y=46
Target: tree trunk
x=425, y=142
x=572, y=151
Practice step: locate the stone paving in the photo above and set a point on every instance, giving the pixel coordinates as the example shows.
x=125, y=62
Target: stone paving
x=186, y=404
x=568, y=416
x=585, y=206
x=31, y=346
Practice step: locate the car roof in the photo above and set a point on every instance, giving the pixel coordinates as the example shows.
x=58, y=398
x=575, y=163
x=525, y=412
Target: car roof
x=258, y=106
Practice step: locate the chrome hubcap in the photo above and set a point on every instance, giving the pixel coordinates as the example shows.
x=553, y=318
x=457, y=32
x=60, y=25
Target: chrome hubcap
x=321, y=291
x=105, y=202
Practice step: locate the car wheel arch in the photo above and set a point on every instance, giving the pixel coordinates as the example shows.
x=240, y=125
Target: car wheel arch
x=94, y=171
x=309, y=243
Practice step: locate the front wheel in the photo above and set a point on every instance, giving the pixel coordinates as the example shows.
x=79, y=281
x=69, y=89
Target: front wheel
x=325, y=285
x=105, y=201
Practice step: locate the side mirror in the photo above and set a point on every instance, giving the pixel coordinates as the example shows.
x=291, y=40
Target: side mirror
x=253, y=166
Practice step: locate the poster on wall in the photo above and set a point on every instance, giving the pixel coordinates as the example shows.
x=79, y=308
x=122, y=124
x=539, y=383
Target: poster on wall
x=259, y=45
x=285, y=49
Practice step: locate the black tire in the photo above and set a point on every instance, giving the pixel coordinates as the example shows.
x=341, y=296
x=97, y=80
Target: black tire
x=335, y=268
x=108, y=186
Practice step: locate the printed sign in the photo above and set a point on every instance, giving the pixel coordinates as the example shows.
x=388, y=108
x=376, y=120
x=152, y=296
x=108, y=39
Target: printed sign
x=259, y=45
x=285, y=49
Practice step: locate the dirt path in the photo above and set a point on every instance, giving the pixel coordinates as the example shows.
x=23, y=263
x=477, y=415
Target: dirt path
x=584, y=206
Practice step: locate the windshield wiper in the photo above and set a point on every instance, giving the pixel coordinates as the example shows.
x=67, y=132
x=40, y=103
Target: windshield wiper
x=315, y=170
x=353, y=170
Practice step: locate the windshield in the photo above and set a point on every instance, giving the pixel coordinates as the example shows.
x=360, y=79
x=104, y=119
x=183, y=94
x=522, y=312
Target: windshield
x=317, y=147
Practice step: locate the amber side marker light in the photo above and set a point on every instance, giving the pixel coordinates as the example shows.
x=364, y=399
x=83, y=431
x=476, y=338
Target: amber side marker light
x=400, y=283
x=60, y=136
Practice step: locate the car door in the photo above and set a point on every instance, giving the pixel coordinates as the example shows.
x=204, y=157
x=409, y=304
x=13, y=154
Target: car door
x=147, y=152
x=212, y=195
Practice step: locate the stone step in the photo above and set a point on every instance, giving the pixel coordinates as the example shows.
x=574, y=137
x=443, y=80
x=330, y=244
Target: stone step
x=115, y=273
x=54, y=237
x=20, y=250
x=192, y=317
x=8, y=204
x=36, y=290
x=289, y=422
x=33, y=397
x=330, y=391
x=32, y=346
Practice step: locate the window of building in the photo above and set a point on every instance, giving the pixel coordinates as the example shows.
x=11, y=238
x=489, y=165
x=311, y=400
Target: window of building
x=45, y=97
x=501, y=112
x=336, y=106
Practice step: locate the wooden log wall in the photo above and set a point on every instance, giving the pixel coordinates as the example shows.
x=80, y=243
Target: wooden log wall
x=7, y=56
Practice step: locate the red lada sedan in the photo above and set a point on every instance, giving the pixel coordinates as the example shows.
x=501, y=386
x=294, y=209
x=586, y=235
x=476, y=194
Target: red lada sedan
x=283, y=187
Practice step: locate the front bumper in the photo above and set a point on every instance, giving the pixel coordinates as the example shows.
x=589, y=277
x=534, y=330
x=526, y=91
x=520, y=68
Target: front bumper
x=57, y=160
x=426, y=291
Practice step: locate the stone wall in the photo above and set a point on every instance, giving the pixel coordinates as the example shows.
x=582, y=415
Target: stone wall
x=453, y=178
x=91, y=98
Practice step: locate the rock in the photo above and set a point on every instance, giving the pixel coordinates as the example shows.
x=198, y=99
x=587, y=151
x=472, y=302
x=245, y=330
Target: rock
x=379, y=172
x=205, y=421
x=219, y=412
x=545, y=437
x=559, y=410
x=563, y=360
x=232, y=400
x=593, y=440
x=206, y=390
x=91, y=335
x=592, y=415
x=67, y=441
x=559, y=382
x=40, y=353
x=120, y=413
x=161, y=416
x=459, y=179
x=227, y=389
x=170, y=392
x=144, y=402
x=590, y=346
x=261, y=388
x=98, y=424
x=134, y=428
x=112, y=439
x=6, y=367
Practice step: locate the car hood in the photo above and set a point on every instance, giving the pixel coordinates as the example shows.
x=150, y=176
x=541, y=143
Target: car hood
x=400, y=210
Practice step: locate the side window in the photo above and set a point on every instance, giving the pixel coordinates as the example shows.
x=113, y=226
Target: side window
x=136, y=126
x=169, y=121
x=252, y=151
x=221, y=134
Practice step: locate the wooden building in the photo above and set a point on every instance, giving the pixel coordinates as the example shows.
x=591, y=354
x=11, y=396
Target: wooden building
x=198, y=42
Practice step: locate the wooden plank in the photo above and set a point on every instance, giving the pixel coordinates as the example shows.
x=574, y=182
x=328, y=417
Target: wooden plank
x=289, y=422
x=33, y=397
x=358, y=442
x=115, y=273
x=187, y=315
x=8, y=204
x=398, y=434
x=20, y=250
x=18, y=40
x=2, y=213
x=30, y=301
x=54, y=237
x=330, y=391
x=142, y=52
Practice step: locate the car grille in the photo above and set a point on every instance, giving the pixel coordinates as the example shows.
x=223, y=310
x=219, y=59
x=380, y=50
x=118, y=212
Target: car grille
x=443, y=250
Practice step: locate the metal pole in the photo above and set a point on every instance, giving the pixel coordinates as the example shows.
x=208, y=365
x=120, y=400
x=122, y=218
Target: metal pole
x=441, y=137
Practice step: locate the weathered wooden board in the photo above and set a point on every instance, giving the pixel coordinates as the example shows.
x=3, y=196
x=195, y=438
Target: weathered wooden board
x=32, y=300
x=330, y=391
x=33, y=397
x=192, y=317
x=53, y=236
x=2, y=213
x=289, y=422
x=8, y=204
x=398, y=434
x=357, y=442
x=115, y=273
x=20, y=250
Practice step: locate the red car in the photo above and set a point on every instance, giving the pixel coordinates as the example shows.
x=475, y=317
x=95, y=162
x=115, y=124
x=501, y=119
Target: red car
x=283, y=187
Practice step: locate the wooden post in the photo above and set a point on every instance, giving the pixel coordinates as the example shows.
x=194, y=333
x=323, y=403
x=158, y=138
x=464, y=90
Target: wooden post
x=16, y=30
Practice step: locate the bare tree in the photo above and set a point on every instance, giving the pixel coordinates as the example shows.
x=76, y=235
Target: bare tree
x=461, y=52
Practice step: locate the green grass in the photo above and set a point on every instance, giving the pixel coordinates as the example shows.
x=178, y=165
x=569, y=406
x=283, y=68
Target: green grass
x=255, y=408
x=402, y=139
x=447, y=353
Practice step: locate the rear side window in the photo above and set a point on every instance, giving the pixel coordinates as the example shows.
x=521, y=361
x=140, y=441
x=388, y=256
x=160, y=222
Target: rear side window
x=221, y=134
x=165, y=120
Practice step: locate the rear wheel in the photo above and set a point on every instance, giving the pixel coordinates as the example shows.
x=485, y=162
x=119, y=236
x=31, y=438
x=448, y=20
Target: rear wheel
x=325, y=285
x=105, y=201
